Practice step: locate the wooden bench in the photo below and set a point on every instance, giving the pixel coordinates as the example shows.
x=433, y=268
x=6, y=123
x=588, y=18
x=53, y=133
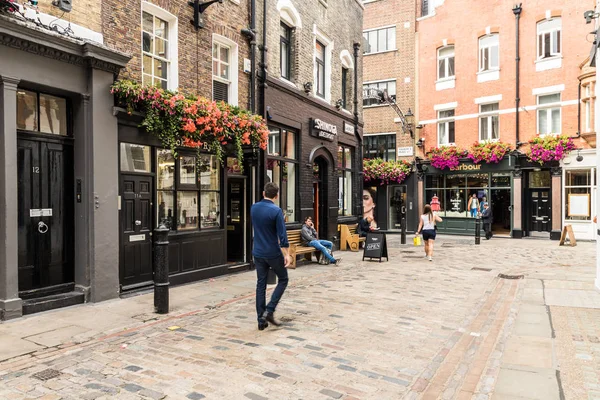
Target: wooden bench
x=349, y=238
x=297, y=247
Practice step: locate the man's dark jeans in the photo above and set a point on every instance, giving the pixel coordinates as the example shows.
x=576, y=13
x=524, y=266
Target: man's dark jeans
x=262, y=271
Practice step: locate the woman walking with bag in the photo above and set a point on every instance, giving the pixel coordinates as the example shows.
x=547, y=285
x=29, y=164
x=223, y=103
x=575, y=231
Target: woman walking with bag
x=427, y=227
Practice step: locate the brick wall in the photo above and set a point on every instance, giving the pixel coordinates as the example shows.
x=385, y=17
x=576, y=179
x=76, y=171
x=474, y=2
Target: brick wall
x=340, y=21
x=85, y=13
x=121, y=27
x=398, y=65
x=474, y=19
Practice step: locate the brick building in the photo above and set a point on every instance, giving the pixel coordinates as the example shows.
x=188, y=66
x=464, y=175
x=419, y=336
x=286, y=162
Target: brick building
x=389, y=64
x=468, y=83
x=308, y=92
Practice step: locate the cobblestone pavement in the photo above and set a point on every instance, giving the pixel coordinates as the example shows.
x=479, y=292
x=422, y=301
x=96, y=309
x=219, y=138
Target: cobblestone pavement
x=407, y=328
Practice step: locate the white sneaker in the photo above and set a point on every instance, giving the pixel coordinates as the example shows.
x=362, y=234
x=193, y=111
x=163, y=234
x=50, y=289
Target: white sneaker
x=429, y=258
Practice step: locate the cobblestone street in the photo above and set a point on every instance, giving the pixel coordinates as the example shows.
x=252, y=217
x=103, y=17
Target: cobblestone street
x=407, y=328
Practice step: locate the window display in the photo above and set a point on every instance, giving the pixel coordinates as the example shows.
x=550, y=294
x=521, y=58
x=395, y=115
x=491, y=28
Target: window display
x=187, y=210
x=187, y=170
x=210, y=207
x=282, y=169
x=579, y=192
x=166, y=209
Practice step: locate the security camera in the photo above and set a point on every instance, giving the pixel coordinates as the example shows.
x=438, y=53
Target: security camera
x=589, y=16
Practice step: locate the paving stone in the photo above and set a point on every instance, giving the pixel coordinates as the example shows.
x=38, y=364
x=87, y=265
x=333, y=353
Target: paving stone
x=152, y=394
x=130, y=387
x=254, y=396
x=331, y=393
x=133, y=368
x=347, y=368
x=271, y=375
x=196, y=396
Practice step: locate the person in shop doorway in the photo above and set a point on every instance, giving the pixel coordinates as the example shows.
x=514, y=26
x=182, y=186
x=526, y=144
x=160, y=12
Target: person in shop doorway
x=311, y=238
x=482, y=202
x=427, y=227
x=473, y=205
x=270, y=251
x=487, y=218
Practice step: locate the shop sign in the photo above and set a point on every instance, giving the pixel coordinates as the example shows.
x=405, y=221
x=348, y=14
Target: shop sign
x=468, y=167
x=348, y=128
x=405, y=151
x=323, y=130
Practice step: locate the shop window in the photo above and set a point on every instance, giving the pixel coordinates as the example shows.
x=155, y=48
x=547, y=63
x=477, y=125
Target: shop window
x=501, y=180
x=436, y=199
x=135, y=158
x=446, y=62
x=380, y=146
x=489, y=122
x=282, y=168
x=549, y=115
x=39, y=112
x=345, y=88
x=588, y=100
x=344, y=167
x=389, y=86
x=580, y=189
x=188, y=191
x=320, y=69
x=159, y=47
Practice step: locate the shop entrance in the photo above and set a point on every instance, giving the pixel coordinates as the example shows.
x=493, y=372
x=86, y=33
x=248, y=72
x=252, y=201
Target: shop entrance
x=540, y=209
x=45, y=218
x=397, y=206
x=501, y=210
x=236, y=220
x=320, y=205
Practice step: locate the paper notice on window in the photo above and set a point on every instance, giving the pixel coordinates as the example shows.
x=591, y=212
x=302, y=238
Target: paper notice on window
x=579, y=205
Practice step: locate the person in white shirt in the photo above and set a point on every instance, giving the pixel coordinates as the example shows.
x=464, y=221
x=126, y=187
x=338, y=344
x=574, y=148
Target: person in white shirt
x=427, y=227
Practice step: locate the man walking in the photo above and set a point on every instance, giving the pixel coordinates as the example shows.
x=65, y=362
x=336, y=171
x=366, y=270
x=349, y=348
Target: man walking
x=487, y=220
x=311, y=238
x=270, y=251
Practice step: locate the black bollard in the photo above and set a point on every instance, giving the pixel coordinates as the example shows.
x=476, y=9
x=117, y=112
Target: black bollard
x=478, y=230
x=161, y=270
x=403, y=232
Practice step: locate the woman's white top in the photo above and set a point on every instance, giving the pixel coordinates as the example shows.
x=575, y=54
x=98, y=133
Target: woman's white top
x=426, y=223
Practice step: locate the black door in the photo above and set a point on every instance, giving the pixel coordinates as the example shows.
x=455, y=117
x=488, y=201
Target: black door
x=45, y=219
x=235, y=220
x=135, y=267
x=321, y=198
x=540, y=209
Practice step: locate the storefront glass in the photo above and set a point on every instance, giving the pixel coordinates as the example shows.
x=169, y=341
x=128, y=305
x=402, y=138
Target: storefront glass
x=282, y=168
x=344, y=167
x=579, y=189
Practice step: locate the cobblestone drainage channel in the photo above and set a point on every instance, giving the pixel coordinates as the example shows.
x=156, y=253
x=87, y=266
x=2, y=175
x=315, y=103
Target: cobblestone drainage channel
x=505, y=276
x=46, y=374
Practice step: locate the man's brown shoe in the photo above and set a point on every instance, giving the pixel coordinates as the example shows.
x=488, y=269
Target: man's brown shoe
x=271, y=319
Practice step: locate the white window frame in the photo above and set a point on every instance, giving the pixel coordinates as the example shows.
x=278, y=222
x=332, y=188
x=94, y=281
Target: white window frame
x=489, y=117
x=328, y=43
x=489, y=48
x=173, y=42
x=548, y=108
x=446, y=121
x=233, y=67
x=446, y=63
x=542, y=32
x=376, y=83
x=589, y=101
x=376, y=31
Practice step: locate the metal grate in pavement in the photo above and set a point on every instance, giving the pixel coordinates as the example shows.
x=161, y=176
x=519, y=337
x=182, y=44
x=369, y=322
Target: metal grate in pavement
x=46, y=374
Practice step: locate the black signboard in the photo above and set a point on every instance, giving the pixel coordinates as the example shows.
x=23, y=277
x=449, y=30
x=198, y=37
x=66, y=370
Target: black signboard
x=375, y=246
x=323, y=130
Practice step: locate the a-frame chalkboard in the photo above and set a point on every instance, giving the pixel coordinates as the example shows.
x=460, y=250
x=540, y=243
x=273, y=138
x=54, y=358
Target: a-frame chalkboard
x=375, y=246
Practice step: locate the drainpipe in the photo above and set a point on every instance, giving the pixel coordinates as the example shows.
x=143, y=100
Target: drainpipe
x=517, y=11
x=251, y=34
x=260, y=168
x=359, y=140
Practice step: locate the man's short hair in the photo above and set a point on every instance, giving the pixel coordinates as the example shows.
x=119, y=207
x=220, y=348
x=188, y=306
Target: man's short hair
x=307, y=218
x=271, y=190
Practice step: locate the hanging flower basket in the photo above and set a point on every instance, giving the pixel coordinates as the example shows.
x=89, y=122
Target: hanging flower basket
x=385, y=172
x=489, y=152
x=547, y=148
x=446, y=157
x=189, y=121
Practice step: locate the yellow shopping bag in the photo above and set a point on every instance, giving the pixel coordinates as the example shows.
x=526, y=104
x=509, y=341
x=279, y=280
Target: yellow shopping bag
x=417, y=240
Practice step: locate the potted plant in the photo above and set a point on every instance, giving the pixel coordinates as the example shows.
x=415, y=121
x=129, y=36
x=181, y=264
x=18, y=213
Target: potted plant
x=446, y=157
x=490, y=152
x=385, y=172
x=548, y=148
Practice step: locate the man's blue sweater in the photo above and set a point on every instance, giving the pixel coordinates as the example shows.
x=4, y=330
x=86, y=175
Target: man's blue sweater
x=269, y=229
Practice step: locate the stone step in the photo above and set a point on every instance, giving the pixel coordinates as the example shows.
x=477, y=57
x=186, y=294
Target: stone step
x=46, y=303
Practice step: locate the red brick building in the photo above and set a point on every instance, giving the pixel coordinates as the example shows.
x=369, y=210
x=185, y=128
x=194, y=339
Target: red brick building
x=471, y=88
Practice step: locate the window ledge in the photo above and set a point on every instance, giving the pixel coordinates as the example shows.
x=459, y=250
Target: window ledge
x=374, y=106
x=447, y=144
x=430, y=15
x=235, y=2
x=490, y=75
x=489, y=140
x=347, y=111
x=445, y=83
x=545, y=64
x=288, y=82
x=379, y=52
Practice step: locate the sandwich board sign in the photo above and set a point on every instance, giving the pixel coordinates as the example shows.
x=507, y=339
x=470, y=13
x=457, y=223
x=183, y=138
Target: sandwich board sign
x=375, y=246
